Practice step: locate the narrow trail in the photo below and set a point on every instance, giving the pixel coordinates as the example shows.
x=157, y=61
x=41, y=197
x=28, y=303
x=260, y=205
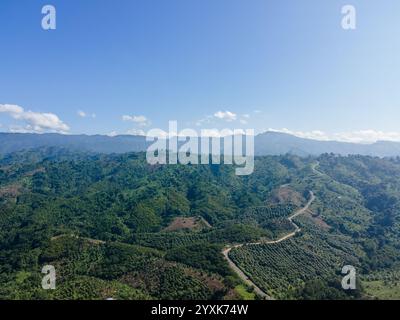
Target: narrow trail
x=240, y=272
x=314, y=167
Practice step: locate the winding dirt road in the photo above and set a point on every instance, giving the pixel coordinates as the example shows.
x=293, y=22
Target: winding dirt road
x=240, y=272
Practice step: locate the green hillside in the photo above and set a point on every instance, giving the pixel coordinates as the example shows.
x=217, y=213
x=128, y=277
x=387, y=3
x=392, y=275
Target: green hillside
x=103, y=222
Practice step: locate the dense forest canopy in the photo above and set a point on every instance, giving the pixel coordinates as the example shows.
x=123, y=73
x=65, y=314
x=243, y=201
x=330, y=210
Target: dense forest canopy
x=112, y=225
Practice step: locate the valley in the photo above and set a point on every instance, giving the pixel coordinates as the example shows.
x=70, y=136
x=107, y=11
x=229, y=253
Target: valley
x=116, y=227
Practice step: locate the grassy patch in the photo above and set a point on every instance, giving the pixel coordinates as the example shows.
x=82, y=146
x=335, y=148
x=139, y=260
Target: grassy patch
x=244, y=294
x=382, y=290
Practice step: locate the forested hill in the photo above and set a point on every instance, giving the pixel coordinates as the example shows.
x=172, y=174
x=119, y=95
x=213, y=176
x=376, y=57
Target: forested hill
x=269, y=143
x=114, y=226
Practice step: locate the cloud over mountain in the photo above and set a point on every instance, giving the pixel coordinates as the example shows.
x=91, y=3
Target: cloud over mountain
x=357, y=136
x=34, y=121
x=226, y=115
x=142, y=121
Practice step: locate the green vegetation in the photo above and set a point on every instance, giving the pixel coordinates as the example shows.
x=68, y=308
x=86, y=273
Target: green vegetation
x=273, y=219
x=285, y=268
x=244, y=293
x=384, y=284
x=102, y=221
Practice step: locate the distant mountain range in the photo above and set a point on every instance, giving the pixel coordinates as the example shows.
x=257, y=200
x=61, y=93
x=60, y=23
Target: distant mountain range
x=269, y=143
x=273, y=143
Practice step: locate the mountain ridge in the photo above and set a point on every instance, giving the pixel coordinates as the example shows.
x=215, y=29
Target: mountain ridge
x=267, y=143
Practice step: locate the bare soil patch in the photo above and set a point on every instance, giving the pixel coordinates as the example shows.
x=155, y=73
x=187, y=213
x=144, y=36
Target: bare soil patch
x=11, y=191
x=190, y=223
x=285, y=195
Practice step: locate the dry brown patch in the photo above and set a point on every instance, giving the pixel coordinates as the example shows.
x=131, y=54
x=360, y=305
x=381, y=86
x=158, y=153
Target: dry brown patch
x=12, y=191
x=285, y=195
x=191, y=223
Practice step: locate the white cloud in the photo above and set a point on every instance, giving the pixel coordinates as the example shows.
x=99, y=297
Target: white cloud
x=368, y=136
x=140, y=120
x=35, y=121
x=226, y=115
x=360, y=136
x=223, y=133
x=112, y=134
x=22, y=129
x=83, y=114
x=11, y=108
x=136, y=132
x=223, y=115
x=315, y=134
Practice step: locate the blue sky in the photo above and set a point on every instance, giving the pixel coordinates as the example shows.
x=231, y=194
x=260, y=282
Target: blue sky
x=207, y=64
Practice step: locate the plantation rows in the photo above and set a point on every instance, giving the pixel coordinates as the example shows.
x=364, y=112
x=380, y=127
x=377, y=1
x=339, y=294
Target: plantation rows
x=166, y=240
x=273, y=219
x=277, y=268
x=384, y=275
x=269, y=212
x=230, y=233
x=338, y=245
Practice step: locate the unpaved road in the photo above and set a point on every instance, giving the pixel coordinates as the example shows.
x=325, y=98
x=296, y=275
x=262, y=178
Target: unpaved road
x=314, y=167
x=241, y=274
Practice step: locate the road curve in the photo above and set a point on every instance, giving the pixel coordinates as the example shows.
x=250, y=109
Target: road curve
x=241, y=274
